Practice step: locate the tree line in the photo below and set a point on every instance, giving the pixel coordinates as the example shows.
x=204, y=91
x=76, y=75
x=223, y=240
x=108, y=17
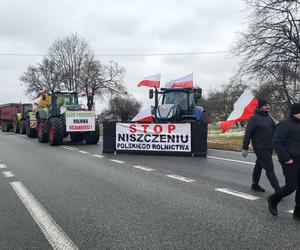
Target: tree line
x=270, y=58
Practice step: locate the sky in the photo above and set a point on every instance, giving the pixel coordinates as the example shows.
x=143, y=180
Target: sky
x=128, y=29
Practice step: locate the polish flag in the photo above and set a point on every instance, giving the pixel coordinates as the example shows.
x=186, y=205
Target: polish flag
x=151, y=81
x=144, y=116
x=243, y=109
x=183, y=82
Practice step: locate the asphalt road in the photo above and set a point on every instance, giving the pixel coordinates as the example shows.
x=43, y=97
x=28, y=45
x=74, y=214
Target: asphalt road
x=72, y=196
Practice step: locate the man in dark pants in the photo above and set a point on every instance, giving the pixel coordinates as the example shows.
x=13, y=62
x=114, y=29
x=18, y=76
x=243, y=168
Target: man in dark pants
x=260, y=130
x=286, y=142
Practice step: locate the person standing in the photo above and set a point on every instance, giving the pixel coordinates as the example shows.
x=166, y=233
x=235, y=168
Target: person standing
x=286, y=143
x=259, y=131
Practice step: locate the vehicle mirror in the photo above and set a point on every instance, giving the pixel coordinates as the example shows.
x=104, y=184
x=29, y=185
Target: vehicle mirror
x=198, y=94
x=151, y=94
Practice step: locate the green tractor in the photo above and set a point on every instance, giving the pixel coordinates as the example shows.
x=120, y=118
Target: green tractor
x=64, y=117
x=19, y=124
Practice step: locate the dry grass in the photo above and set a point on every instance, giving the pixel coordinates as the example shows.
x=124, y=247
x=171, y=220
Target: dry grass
x=225, y=142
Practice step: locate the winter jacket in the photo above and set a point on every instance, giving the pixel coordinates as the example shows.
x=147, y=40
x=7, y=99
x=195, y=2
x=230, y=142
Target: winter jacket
x=286, y=140
x=260, y=130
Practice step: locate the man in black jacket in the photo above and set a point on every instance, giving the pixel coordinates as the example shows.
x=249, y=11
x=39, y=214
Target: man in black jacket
x=287, y=145
x=260, y=130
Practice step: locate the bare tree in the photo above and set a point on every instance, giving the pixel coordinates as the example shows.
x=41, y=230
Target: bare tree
x=270, y=49
x=219, y=103
x=71, y=64
x=32, y=81
x=50, y=75
x=100, y=80
x=69, y=54
x=123, y=107
x=43, y=76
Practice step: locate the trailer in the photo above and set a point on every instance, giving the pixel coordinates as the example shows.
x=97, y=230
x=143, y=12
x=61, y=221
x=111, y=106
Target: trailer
x=8, y=115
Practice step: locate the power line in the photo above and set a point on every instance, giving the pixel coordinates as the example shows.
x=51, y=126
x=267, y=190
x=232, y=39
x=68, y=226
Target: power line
x=17, y=54
x=128, y=55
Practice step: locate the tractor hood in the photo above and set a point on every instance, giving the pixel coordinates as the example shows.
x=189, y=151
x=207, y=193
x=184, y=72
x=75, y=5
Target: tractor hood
x=75, y=108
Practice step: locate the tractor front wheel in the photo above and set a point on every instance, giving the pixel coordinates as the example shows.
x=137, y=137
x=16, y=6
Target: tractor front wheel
x=93, y=137
x=22, y=127
x=30, y=132
x=41, y=133
x=56, y=131
x=16, y=127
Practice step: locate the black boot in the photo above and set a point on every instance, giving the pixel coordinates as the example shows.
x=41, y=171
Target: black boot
x=296, y=214
x=272, y=206
x=257, y=188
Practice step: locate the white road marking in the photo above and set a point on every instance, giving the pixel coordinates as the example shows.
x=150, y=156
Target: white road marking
x=64, y=147
x=117, y=161
x=54, y=234
x=291, y=211
x=8, y=174
x=72, y=147
x=99, y=156
x=2, y=166
x=83, y=152
x=181, y=178
x=226, y=159
x=238, y=194
x=144, y=168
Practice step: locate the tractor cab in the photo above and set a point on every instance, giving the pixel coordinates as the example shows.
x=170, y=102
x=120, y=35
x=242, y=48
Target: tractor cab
x=64, y=101
x=177, y=104
x=25, y=109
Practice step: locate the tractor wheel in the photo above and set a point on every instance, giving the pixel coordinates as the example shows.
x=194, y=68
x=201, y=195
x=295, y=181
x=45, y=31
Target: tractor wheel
x=41, y=133
x=22, y=127
x=16, y=127
x=76, y=137
x=3, y=126
x=56, y=131
x=30, y=132
x=93, y=137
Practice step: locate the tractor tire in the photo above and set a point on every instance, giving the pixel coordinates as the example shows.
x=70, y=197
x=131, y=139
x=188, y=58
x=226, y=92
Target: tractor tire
x=56, y=131
x=16, y=127
x=93, y=137
x=30, y=132
x=22, y=127
x=41, y=132
x=3, y=126
x=77, y=137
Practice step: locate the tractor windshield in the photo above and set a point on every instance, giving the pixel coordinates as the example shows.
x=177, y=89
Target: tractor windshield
x=65, y=100
x=179, y=98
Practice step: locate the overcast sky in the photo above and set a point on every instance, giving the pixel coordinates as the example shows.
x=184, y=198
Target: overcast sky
x=124, y=28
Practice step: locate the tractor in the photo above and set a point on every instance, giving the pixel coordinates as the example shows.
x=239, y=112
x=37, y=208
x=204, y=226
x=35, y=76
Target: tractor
x=19, y=124
x=31, y=123
x=65, y=117
x=177, y=104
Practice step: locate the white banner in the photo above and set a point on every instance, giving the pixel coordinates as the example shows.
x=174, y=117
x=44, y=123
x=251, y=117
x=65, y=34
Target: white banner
x=80, y=121
x=154, y=137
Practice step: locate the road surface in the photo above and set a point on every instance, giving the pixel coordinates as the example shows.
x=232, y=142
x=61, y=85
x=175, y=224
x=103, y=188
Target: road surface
x=74, y=197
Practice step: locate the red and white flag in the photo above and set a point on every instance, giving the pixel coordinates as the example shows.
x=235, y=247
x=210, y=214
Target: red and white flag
x=151, y=81
x=243, y=109
x=144, y=116
x=183, y=82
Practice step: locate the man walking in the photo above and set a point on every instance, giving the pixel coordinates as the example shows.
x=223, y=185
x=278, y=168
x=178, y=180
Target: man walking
x=287, y=145
x=260, y=130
